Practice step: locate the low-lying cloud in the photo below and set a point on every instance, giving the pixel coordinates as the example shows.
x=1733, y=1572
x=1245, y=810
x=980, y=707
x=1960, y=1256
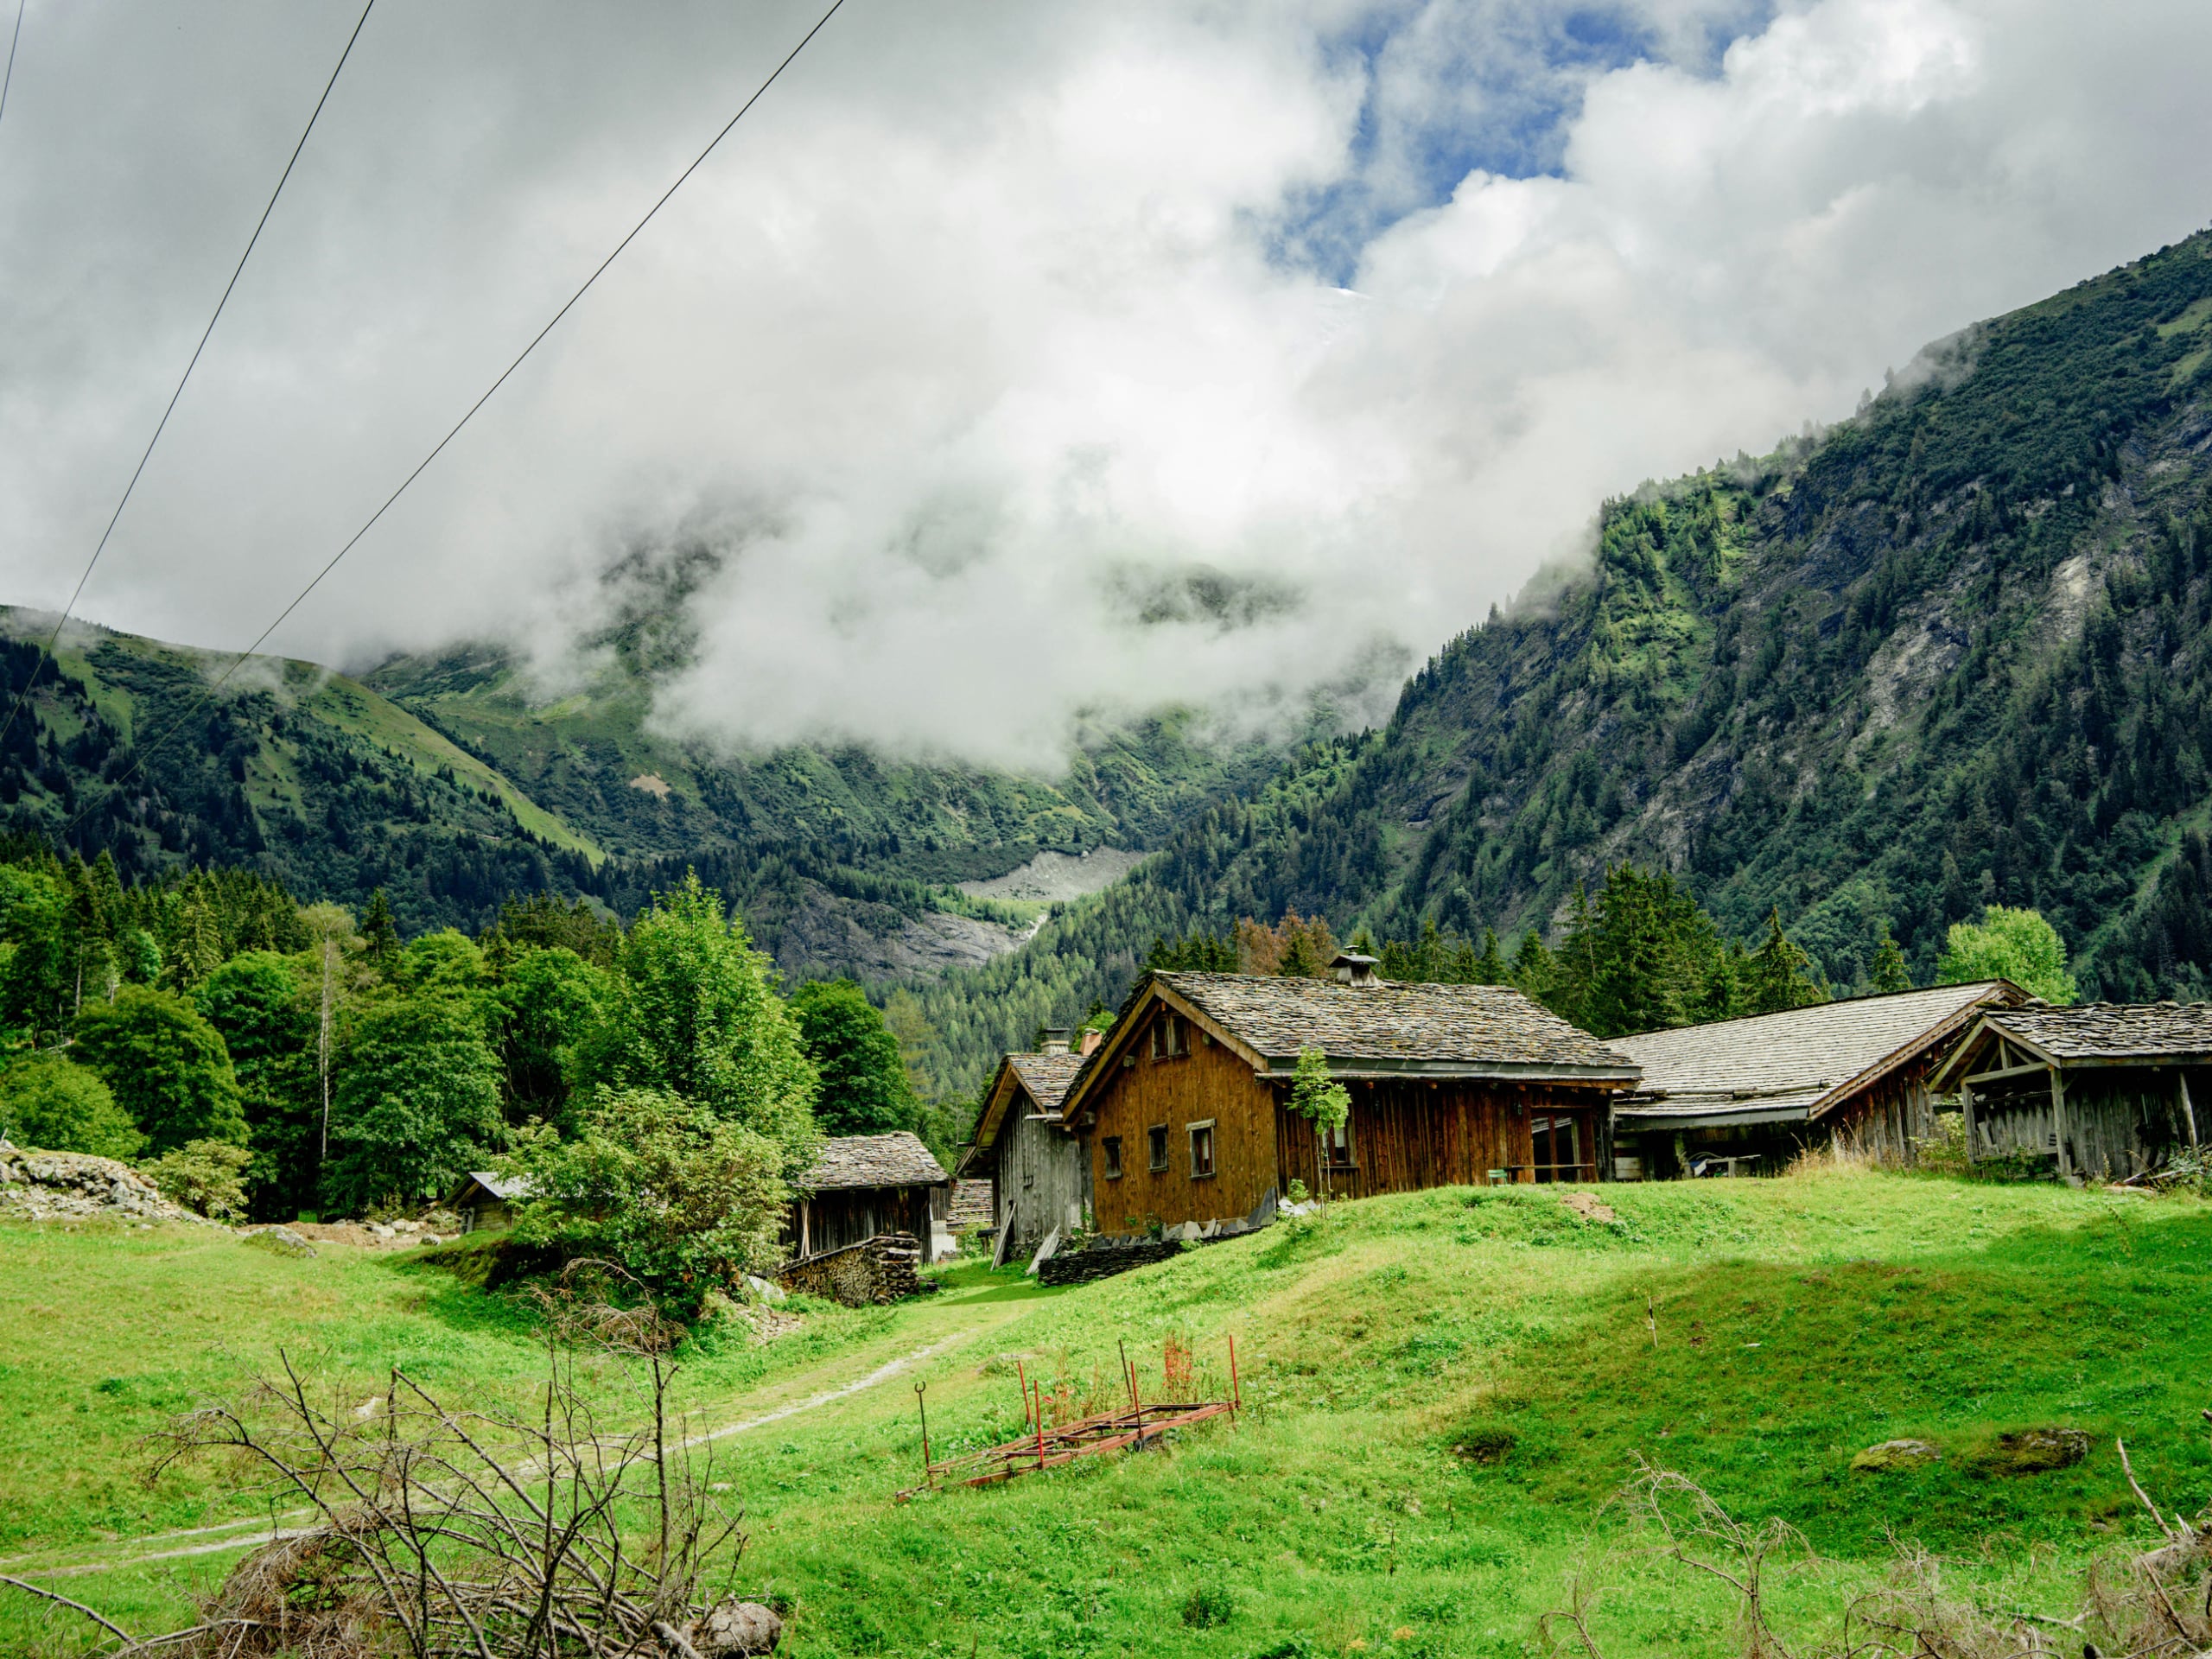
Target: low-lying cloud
x=1011, y=367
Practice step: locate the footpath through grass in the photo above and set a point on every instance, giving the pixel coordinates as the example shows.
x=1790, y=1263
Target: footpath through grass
x=1443, y=1391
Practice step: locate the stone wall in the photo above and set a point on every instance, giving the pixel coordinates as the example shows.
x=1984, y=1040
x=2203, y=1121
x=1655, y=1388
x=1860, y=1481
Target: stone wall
x=1103, y=1261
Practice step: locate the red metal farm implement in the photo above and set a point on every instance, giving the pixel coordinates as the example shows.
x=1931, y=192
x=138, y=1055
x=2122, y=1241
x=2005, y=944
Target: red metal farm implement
x=1049, y=1447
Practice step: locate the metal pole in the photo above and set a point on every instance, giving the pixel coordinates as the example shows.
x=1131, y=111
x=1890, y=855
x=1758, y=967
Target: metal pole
x=1129, y=1376
x=1235, y=1391
x=1023, y=1377
x=929, y=1476
x=1040, y=1425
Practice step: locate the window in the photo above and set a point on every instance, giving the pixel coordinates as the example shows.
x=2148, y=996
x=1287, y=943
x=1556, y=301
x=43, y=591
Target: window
x=1113, y=1146
x=1168, y=1038
x=1201, y=1149
x=1338, y=1146
x=1157, y=1136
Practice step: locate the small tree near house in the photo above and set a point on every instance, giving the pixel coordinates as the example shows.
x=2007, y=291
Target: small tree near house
x=1320, y=1098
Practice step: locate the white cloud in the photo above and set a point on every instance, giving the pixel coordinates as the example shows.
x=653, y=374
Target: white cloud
x=979, y=345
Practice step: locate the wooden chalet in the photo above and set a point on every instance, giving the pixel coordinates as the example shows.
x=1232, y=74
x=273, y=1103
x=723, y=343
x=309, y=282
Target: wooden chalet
x=1185, y=1105
x=864, y=1184
x=2104, y=1089
x=1039, y=1175
x=1744, y=1097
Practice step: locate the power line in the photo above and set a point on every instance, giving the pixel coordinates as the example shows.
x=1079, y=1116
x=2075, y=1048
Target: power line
x=422, y=467
x=8, y=80
x=47, y=650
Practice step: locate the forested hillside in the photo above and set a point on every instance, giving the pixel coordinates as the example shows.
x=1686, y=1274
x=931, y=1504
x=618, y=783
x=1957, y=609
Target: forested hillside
x=458, y=792
x=1949, y=653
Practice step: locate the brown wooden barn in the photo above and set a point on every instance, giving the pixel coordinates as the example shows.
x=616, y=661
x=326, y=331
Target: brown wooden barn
x=1744, y=1097
x=1186, y=1104
x=2104, y=1089
x=864, y=1184
x=1039, y=1173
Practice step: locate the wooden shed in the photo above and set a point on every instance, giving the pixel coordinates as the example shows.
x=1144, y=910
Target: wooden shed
x=2105, y=1089
x=484, y=1201
x=1186, y=1103
x=1041, y=1178
x=1744, y=1097
x=864, y=1184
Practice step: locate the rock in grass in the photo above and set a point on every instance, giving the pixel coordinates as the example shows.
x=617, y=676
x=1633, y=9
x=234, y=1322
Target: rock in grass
x=1891, y=1456
x=2033, y=1451
x=734, y=1627
x=281, y=1240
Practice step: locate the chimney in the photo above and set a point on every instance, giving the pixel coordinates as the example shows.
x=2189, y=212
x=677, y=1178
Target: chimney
x=1090, y=1041
x=1353, y=969
x=1056, y=1041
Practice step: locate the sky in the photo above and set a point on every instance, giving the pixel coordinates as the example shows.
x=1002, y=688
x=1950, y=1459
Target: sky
x=1010, y=369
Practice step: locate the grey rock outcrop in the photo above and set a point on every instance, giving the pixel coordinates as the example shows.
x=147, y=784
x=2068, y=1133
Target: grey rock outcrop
x=76, y=1186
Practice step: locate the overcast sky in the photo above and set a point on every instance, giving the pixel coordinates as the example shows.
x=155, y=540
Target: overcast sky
x=1022, y=363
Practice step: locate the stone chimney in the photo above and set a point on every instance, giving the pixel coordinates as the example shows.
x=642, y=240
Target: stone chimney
x=1353, y=969
x=1090, y=1041
x=1056, y=1041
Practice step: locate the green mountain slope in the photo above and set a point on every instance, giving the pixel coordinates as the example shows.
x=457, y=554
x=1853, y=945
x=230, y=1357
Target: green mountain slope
x=302, y=774
x=1951, y=652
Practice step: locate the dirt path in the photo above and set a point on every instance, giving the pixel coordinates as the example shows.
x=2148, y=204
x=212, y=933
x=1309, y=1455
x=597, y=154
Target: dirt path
x=984, y=1318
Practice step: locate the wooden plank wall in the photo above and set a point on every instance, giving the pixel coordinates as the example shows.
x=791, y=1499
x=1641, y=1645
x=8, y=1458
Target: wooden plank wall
x=1207, y=1082
x=847, y=1215
x=2118, y=1121
x=1882, y=1121
x=1409, y=1133
x=1039, y=1177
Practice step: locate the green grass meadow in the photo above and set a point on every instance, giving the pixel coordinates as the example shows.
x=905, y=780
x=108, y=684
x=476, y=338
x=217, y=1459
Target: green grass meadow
x=1443, y=1392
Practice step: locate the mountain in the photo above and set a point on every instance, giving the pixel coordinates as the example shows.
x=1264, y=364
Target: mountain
x=442, y=780
x=1951, y=652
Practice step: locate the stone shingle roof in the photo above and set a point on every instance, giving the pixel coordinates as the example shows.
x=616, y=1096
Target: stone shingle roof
x=1046, y=1077
x=894, y=1160
x=1772, y=1067
x=1395, y=1026
x=2113, y=1031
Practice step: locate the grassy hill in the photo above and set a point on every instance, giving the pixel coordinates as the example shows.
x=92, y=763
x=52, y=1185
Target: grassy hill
x=1443, y=1390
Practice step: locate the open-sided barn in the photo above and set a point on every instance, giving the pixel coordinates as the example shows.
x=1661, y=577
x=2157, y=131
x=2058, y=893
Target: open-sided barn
x=2102, y=1090
x=1746, y=1095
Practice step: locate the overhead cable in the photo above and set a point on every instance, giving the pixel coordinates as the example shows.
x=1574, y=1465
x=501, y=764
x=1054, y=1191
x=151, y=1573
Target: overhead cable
x=147, y=751
x=47, y=650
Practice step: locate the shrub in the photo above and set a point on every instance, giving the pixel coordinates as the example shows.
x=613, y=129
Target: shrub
x=205, y=1177
x=680, y=1195
x=49, y=1102
x=1208, y=1605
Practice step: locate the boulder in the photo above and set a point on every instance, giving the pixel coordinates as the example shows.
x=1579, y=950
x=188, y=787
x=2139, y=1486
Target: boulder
x=765, y=1290
x=1891, y=1456
x=732, y=1627
x=281, y=1240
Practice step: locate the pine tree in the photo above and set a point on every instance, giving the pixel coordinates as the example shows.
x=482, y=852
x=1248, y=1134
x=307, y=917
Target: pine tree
x=379, y=931
x=1890, y=973
x=1778, y=977
x=1489, y=968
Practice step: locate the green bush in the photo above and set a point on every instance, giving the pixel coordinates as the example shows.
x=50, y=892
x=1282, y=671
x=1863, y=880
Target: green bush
x=205, y=1177
x=49, y=1102
x=680, y=1195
